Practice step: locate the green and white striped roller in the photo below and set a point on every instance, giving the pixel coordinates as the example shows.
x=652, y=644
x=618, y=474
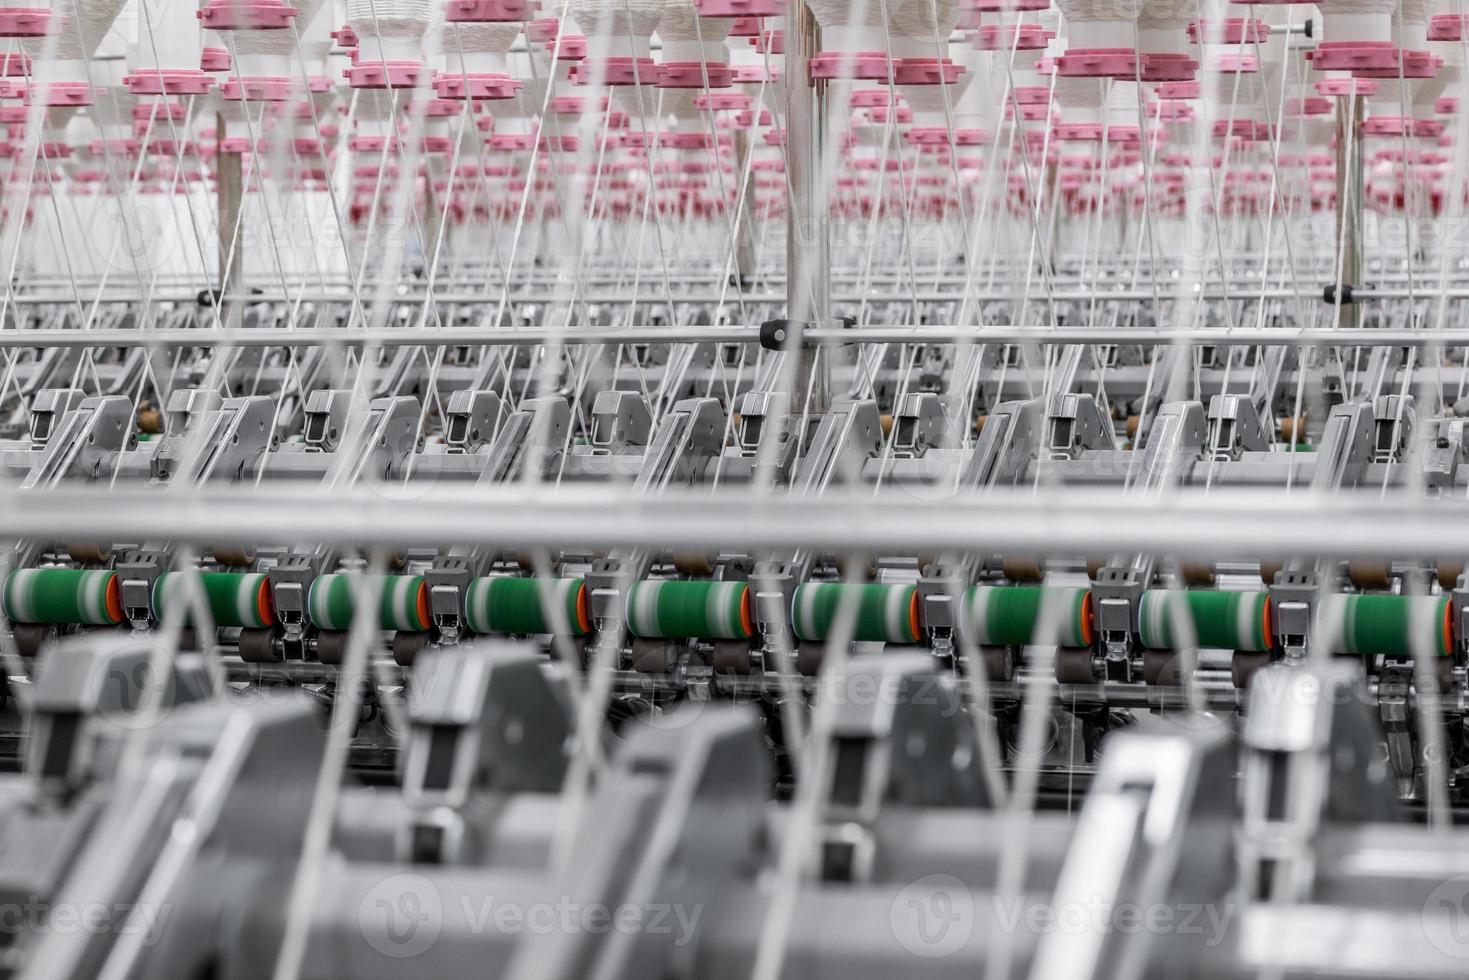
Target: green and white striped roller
x=1221, y=620
x=403, y=605
x=235, y=598
x=1395, y=625
x=1010, y=616
x=885, y=613
x=679, y=609
x=63, y=595
x=519, y=605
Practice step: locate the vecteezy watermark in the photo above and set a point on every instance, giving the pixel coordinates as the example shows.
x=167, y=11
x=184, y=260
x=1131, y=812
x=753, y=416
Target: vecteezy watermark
x=1096, y=916
x=402, y=916
x=933, y=917
x=37, y=916
x=1446, y=917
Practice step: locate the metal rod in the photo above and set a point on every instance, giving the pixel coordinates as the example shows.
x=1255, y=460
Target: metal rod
x=808, y=243
x=1081, y=522
x=875, y=334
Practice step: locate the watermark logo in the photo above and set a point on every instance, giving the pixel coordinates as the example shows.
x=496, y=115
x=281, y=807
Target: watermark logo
x=401, y=916
x=1446, y=917
x=933, y=917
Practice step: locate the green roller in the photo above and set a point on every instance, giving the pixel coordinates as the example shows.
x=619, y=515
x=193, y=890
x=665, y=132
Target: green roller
x=885, y=613
x=63, y=595
x=519, y=605
x=1221, y=620
x=1010, y=615
x=235, y=598
x=678, y=609
x=403, y=604
x=1395, y=625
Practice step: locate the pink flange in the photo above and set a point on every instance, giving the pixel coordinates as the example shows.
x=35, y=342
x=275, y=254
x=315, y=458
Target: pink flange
x=721, y=101
x=1447, y=27
x=214, y=60
x=926, y=71
x=476, y=86
x=1163, y=66
x=1120, y=63
x=1005, y=37
x=1230, y=30
x=386, y=74
x=1338, y=87
x=489, y=11
x=694, y=74
x=740, y=8
x=260, y=88
x=246, y=15
x=176, y=81
x=616, y=71
x=860, y=65
x=1354, y=56
x=26, y=21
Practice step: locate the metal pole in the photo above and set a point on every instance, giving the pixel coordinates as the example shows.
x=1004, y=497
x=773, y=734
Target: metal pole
x=746, y=255
x=1349, y=200
x=808, y=245
x=231, y=259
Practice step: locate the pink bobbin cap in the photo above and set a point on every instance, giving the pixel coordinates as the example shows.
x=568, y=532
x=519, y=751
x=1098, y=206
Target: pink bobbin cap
x=860, y=65
x=1230, y=30
x=721, y=101
x=1179, y=91
x=694, y=74
x=616, y=71
x=476, y=86
x=1416, y=64
x=739, y=9
x=770, y=42
x=1447, y=27
x=345, y=36
x=1120, y=63
x=489, y=11
x=58, y=94
x=260, y=88
x=1163, y=66
x=214, y=60
x=511, y=142
x=15, y=64
x=1337, y=87
x=246, y=15
x=25, y=21
x=386, y=74
x=1004, y=37
x=926, y=71
x=169, y=81
x=1354, y=56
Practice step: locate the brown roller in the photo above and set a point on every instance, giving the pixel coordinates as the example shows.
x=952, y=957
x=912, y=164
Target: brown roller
x=1022, y=568
x=1369, y=573
x=1448, y=572
x=89, y=552
x=234, y=556
x=693, y=563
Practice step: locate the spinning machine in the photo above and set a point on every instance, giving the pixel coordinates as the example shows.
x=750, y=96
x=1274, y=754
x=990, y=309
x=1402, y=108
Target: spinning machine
x=734, y=489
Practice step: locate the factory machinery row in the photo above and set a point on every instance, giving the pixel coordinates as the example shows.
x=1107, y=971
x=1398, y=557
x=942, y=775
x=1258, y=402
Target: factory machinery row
x=714, y=489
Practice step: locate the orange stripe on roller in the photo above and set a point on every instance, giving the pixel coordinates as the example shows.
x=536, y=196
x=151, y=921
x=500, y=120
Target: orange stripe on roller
x=913, y=616
x=747, y=618
x=1448, y=627
x=262, y=603
x=423, y=605
x=1269, y=631
x=1088, y=620
x=114, y=599
x=583, y=615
